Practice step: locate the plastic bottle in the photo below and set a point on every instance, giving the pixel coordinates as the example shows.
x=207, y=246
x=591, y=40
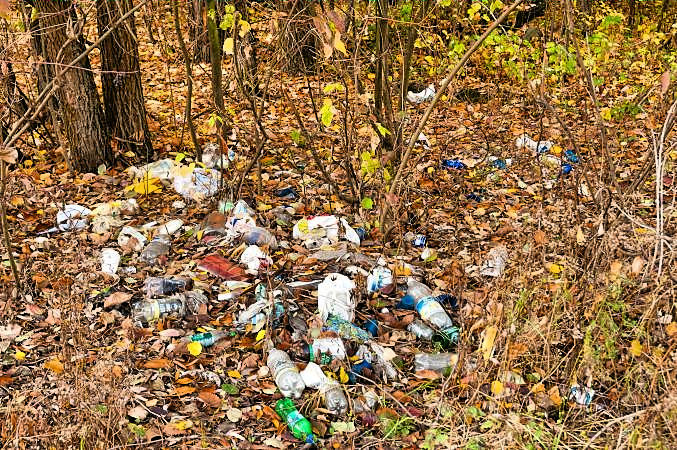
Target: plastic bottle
x=524, y=141
x=419, y=241
x=299, y=426
x=207, y=339
x=322, y=351
x=159, y=246
x=258, y=311
x=439, y=362
x=375, y=354
x=431, y=310
x=346, y=330
x=260, y=237
x=380, y=280
x=285, y=373
x=453, y=164
x=334, y=399
x=357, y=371
x=157, y=286
x=420, y=330
x=177, y=306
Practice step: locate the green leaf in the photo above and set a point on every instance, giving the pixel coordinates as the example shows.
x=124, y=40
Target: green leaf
x=367, y=203
x=297, y=138
x=230, y=389
x=179, y=157
x=101, y=169
x=327, y=112
x=381, y=129
x=331, y=87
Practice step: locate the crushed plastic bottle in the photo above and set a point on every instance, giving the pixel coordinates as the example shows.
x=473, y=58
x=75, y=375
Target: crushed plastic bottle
x=380, y=280
x=176, y=307
x=582, y=395
x=260, y=237
x=419, y=329
x=258, y=312
x=524, y=141
x=132, y=238
x=207, y=339
x=158, y=247
x=287, y=194
x=431, y=310
x=371, y=325
x=321, y=350
x=440, y=362
x=110, y=260
x=425, y=95
x=453, y=164
x=334, y=398
x=285, y=373
x=158, y=287
x=357, y=371
x=334, y=297
x=299, y=426
x=72, y=218
x=346, y=330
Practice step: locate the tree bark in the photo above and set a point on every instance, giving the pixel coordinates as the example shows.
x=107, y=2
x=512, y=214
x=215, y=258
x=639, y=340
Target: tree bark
x=198, y=31
x=81, y=113
x=121, y=79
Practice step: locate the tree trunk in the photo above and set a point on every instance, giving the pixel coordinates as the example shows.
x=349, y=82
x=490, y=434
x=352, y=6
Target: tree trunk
x=299, y=39
x=198, y=31
x=121, y=79
x=81, y=114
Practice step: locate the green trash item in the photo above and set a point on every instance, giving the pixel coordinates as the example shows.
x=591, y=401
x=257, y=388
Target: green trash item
x=298, y=425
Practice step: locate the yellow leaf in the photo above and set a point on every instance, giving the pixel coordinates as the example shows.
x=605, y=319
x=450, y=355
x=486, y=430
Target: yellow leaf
x=228, y=46
x=19, y=355
x=488, y=341
x=339, y=45
x=671, y=329
x=146, y=186
x=234, y=374
x=496, y=387
x=556, y=149
x=54, y=365
x=538, y=388
x=195, y=348
x=606, y=114
x=553, y=393
x=261, y=334
x=343, y=376
x=129, y=154
x=244, y=27
x=183, y=424
x=555, y=269
x=636, y=348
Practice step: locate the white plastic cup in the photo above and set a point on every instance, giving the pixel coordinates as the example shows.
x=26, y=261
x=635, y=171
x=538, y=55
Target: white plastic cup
x=110, y=260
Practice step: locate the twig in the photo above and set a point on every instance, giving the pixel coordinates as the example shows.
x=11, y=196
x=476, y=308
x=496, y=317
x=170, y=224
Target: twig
x=5, y=227
x=436, y=99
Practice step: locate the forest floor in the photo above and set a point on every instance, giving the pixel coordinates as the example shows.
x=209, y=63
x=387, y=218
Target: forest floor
x=580, y=300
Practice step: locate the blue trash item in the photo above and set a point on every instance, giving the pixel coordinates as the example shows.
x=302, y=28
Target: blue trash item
x=499, y=164
x=453, y=164
x=287, y=194
x=474, y=196
x=447, y=300
x=571, y=156
x=566, y=169
x=371, y=325
x=357, y=369
x=361, y=232
x=419, y=241
x=346, y=330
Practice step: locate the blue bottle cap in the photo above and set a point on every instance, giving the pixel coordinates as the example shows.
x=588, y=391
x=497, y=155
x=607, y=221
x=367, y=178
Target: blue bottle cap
x=407, y=302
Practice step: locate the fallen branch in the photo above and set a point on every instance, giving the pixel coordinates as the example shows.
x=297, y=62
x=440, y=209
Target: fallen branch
x=440, y=92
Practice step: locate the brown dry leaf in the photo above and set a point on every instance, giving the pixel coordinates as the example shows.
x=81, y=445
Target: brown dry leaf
x=671, y=329
x=637, y=265
x=516, y=350
x=539, y=237
x=427, y=374
x=211, y=399
x=488, y=341
x=5, y=380
x=553, y=393
x=8, y=155
x=54, y=365
x=184, y=390
x=665, y=82
x=117, y=298
x=159, y=363
x=402, y=397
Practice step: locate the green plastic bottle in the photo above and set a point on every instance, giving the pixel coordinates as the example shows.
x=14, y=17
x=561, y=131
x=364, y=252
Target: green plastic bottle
x=298, y=425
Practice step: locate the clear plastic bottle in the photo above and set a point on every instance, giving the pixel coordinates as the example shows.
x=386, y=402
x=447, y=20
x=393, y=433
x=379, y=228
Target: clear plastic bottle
x=380, y=280
x=285, y=373
x=420, y=330
x=322, y=351
x=427, y=306
x=176, y=307
x=299, y=426
x=259, y=236
x=159, y=246
x=439, y=362
x=376, y=357
x=334, y=398
x=157, y=286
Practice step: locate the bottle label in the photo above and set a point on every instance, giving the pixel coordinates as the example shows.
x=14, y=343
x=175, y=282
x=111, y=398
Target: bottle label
x=155, y=310
x=428, y=306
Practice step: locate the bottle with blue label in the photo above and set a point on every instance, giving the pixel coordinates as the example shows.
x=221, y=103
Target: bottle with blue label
x=432, y=311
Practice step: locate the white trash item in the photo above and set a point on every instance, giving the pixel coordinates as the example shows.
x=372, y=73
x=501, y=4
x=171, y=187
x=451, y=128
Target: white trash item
x=350, y=234
x=334, y=398
x=72, y=217
x=196, y=184
x=170, y=227
x=524, y=141
x=495, y=263
x=210, y=156
x=161, y=169
x=110, y=260
x=334, y=297
x=425, y=95
x=317, y=231
x=127, y=234
x=255, y=259
x=285, y=373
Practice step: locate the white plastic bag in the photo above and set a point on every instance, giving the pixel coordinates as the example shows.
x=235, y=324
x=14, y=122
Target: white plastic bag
x=334, y=297
x=425, y=95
